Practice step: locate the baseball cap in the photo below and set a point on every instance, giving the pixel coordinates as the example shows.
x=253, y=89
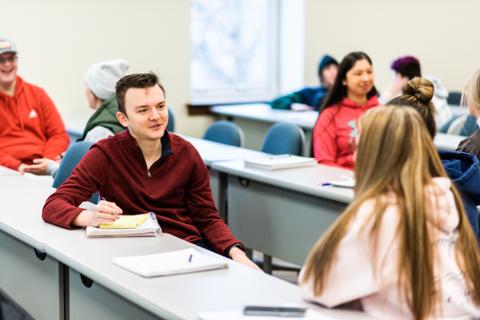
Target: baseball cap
x=7, y=46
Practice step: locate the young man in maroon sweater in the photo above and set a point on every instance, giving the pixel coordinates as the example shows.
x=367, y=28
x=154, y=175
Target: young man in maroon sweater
x=145, y=169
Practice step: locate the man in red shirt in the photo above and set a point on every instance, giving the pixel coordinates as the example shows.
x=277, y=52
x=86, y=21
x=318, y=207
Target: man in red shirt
x=145, y=169
x=32, y=134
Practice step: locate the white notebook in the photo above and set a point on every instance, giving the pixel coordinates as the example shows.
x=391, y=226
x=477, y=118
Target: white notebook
x=238, y=315
x=284, y=161
x=149, y=228
x=174, y=262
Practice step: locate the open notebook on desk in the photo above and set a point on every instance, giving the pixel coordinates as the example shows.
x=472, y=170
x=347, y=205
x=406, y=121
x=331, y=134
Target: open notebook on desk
x=169, y=263
x=278, y=162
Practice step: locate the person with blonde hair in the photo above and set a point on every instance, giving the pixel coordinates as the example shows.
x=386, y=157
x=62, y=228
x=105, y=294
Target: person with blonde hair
x=462, y=167
x=403, y=249
x=470, y=124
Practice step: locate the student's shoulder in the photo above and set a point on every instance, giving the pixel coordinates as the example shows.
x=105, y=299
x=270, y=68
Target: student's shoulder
x=179, y=144
x=30, y=87
x=113, y=142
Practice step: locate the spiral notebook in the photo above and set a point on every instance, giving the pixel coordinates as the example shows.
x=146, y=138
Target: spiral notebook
x=140, y=225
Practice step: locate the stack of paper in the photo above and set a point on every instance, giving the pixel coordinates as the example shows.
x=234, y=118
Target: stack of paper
x=140, y=225
x=174, y=262
x=284, y=161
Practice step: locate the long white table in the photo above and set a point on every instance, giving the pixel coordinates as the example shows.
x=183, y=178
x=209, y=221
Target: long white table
x=282, y=213
x=34, y=282
x=4, y=171
x=447, y=142
x=255, y=119
x=214, y=152
x=52, y=288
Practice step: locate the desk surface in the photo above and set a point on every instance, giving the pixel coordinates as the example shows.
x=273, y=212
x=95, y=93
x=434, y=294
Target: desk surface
x=263, y=112
x=21, y=209
x=173, y=297
x=212, y=151
x=447, y=142
x=4, y=171
x=306, y=179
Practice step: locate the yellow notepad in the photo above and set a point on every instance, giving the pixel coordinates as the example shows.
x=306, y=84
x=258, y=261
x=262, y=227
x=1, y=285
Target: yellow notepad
x=125, y=222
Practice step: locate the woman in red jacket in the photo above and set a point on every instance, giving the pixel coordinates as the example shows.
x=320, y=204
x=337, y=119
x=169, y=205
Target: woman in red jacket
x=352, y=94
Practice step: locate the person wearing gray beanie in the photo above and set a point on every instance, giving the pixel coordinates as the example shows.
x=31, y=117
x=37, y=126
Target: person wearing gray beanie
x=100, y=80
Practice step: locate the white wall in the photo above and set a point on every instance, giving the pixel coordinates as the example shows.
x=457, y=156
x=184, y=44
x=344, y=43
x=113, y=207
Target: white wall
x=58, y=40
x=443, y=34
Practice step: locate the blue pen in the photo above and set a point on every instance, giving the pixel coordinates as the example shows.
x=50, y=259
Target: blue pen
x=190, y=258
x=324, y=184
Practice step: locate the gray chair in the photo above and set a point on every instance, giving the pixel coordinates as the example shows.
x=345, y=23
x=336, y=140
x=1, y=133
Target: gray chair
x=284, y=138
x=225, y=132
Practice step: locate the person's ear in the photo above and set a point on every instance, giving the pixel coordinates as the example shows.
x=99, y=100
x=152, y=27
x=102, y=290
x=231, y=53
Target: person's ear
x=122, y=118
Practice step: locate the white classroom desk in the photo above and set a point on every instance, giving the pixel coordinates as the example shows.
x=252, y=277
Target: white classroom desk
x=447, y=142
x=4, y=171
x=255, y=119
x=282, y=213
x=211, y=152
x=53, y=289
x=33, y=283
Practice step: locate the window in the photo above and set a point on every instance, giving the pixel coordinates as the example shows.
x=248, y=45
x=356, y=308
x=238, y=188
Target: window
x=234, y=45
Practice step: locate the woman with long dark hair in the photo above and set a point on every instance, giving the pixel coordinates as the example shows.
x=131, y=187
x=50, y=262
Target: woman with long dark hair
x=352, y=94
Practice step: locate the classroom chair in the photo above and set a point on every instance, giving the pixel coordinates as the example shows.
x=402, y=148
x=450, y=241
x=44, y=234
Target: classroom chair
x=72, y=157
x=171, y=121
x=464, y=125
x=454, y=98
x=284, y=138
x=225, y=132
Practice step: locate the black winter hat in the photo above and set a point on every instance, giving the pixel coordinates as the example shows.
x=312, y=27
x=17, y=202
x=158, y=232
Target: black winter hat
x=325, y=61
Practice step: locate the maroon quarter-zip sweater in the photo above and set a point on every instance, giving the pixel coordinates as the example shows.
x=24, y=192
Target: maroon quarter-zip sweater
x=176, y=188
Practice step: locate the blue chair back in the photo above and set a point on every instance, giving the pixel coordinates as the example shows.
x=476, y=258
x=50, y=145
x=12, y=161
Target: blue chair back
x=225, y=132
x=72, y=157
x=284, y=138
x=171, y=121
x=454, y=98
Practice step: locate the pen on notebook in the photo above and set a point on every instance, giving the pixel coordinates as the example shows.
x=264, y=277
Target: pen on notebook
x=190, y=258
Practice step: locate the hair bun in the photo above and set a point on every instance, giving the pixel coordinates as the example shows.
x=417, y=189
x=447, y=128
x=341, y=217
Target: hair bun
x=419, y=88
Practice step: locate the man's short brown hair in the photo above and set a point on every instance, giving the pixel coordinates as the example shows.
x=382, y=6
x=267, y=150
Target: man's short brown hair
x=136, y=80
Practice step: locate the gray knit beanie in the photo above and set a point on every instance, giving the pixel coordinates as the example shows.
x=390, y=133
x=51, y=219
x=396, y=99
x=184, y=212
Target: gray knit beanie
x=101, y=77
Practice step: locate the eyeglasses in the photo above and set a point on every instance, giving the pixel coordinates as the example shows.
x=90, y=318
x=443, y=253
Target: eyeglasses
x=9, y=58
